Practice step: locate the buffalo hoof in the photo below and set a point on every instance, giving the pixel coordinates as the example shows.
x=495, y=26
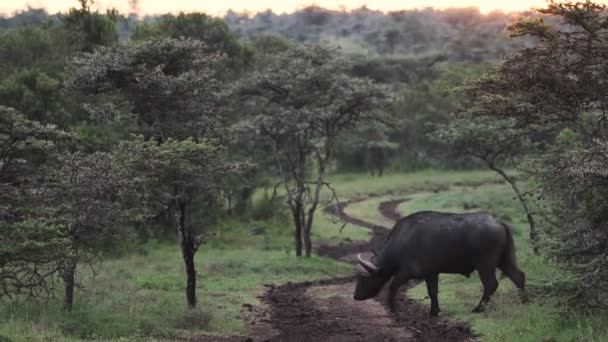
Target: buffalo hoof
x=523, y=296
x=479, y=309
x=434, y=313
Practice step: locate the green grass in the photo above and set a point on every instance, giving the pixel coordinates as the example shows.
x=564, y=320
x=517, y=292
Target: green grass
x=330, y=230
x=355, y=185
x=142, y=295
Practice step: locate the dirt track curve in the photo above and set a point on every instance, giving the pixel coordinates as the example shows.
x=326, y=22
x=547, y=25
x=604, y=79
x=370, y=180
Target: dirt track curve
x=325, y=311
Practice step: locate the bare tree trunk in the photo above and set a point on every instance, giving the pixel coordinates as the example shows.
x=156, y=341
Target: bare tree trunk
x=307, y=238
x=299, y=172
x=296, y=212
x=229, y=198
x=243, y=202
x=188, y=250
x=524, y=204
x=381, y=162
x=188, y=254
x=307, y=219
x=68, y=275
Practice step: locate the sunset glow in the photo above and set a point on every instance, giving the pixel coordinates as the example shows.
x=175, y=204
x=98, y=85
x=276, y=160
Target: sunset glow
x=218, y=8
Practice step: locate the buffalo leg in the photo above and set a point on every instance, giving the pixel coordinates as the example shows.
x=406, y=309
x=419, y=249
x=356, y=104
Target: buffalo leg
x=432, y=286
x=519, y=279
x=490, y=284
x=398, y=280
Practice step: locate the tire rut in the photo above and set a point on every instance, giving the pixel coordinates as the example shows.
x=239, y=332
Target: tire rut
x=324, y=311
x=390, y=209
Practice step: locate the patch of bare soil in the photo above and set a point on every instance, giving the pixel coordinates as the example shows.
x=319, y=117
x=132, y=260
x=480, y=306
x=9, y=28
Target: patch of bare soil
x=214, y=339
x=415, y=315
x=390, y=209
x=347, y=251
x=325, y=311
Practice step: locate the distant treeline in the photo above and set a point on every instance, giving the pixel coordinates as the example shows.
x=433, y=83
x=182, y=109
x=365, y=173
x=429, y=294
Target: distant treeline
x=458, y=34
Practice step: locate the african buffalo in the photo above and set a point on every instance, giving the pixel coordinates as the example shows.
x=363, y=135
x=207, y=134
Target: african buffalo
x=427, y=243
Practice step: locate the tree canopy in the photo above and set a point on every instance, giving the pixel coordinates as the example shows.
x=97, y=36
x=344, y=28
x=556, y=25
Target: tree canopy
x=302, y=102
x=30, y=240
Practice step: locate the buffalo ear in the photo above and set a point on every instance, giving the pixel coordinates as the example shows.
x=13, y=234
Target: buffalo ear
x=367, y=265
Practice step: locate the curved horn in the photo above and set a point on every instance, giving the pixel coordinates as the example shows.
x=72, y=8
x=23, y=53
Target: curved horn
x=369, y=267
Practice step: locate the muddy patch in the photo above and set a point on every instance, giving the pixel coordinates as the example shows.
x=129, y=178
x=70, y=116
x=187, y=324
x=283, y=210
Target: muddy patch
x=390, y=209
x=325, y=311
x=347, y=251
x=415, y=315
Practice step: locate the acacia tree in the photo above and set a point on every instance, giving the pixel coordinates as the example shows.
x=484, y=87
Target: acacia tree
x=86, y=29
x=214, y=32
x=30, y=243
x=181, y=175
x=556, y=90
x=497, y=143
x=56, y=209
x=171, y=88
x=93, y=197
x=302, y=102
x=168, y=86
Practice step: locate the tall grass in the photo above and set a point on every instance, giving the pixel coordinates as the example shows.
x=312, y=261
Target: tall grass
x=142, y=295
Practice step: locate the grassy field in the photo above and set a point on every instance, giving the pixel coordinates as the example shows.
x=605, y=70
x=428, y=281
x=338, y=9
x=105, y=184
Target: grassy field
x=140, y=295
x=355, y=186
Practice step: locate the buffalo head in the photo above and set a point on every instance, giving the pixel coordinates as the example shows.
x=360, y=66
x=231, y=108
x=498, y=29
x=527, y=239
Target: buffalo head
x=371, y=281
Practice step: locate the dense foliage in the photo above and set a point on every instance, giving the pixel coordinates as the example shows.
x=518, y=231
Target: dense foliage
x=94, y=197
x=31, y=240
x=212, y=31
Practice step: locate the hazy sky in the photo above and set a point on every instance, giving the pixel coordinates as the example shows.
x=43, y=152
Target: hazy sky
x=218, y=7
